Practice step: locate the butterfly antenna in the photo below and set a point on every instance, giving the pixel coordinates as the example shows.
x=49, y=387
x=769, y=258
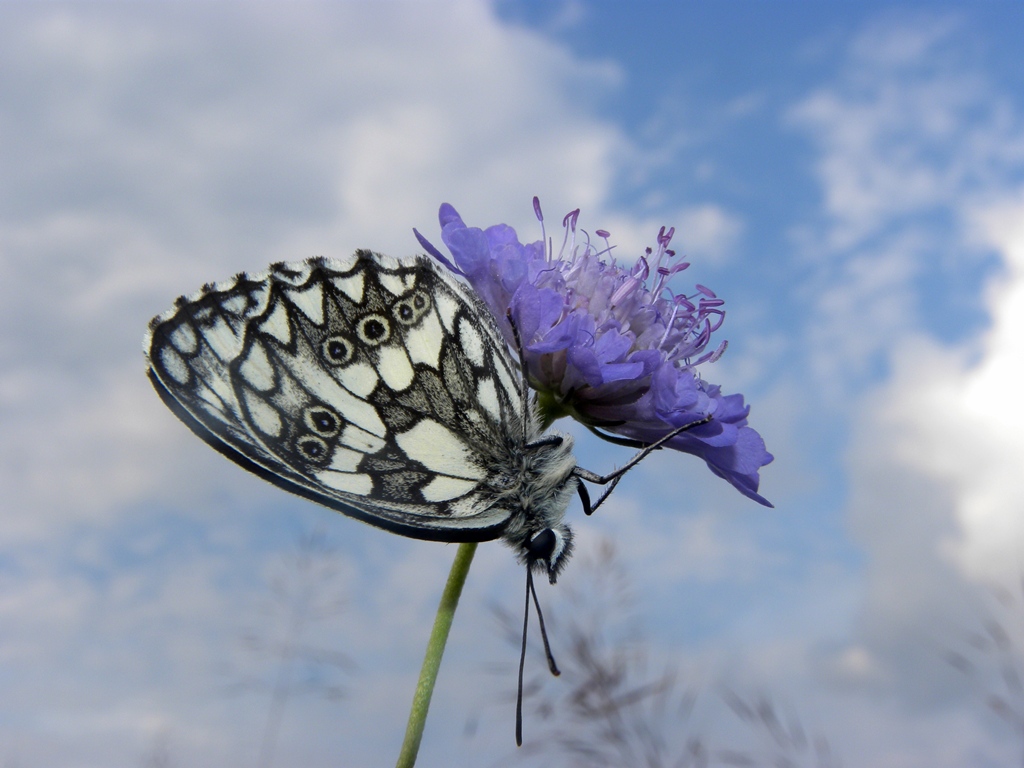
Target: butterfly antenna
x=522, y=660
x=522, y=369
x=543, y=630
x=531, y=593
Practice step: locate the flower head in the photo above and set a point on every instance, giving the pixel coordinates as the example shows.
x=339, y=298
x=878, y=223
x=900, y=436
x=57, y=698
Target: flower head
x=608, y=344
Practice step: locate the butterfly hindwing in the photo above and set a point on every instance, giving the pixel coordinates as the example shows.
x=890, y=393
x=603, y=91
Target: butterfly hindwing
x=378, y=387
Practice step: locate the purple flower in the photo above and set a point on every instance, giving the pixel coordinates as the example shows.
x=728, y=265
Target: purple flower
x=610, y=345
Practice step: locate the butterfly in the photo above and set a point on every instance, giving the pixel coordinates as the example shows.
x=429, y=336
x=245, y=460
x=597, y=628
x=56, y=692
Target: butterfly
x=380, y=388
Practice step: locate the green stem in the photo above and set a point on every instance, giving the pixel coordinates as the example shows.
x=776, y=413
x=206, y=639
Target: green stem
x=432, y=658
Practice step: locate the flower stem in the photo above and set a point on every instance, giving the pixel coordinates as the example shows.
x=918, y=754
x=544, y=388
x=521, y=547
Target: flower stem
x=435, y=650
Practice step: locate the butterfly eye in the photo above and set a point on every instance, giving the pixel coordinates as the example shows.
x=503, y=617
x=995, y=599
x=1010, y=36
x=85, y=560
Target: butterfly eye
x=542, y=546
x=411, y=309
x=313, y=448
x=323, y=421
x=374, y=330
x=338, y=350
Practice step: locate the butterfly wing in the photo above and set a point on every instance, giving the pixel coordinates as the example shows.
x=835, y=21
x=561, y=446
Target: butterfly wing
x=377, y=387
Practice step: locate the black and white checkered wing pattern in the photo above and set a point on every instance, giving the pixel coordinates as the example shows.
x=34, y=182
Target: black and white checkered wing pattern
x=380, y=388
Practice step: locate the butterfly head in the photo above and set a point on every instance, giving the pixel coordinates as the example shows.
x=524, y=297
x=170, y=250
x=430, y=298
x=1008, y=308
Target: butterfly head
x=548, y=551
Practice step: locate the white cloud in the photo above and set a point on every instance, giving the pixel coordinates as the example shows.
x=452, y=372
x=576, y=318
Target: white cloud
x=919, y=161
x=673, y=546
x=906, y=144
x=155, y=148
x=935, y=458
x=992, y=409
x=160, y=148
x=954, y=417
x=887, y=131
x=705, y=234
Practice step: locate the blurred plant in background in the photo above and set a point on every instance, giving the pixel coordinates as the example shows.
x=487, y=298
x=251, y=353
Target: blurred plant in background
x=305, y=591
x=993, y=659
x=614, y=705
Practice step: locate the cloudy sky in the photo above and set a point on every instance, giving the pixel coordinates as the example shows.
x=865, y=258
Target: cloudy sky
x=849, y=177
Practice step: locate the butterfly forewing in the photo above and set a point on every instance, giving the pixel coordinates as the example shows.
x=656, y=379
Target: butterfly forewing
x=377, y=387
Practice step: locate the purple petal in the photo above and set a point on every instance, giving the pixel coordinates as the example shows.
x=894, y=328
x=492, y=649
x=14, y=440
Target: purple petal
x=535, y=311
x=448, y=215
x=429, y=247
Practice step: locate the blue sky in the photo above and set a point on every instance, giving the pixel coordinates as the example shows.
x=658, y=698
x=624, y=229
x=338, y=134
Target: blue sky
x=849, y=177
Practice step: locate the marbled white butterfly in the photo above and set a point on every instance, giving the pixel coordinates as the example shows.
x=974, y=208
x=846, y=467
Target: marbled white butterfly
x=379, y=388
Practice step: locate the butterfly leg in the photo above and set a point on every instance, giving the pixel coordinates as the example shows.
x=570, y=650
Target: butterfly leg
x=612, y=478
